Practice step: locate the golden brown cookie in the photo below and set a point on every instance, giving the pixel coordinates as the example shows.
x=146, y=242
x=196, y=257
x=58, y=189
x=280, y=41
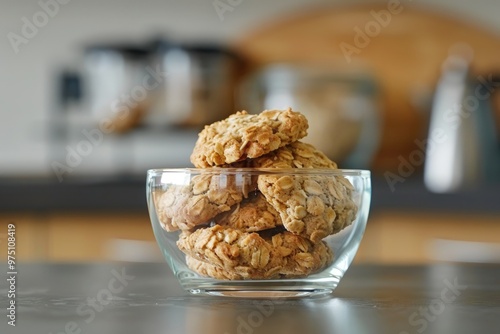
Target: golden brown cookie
x=242, y=136
x=312, y=206
x=294, y=155
x=207, y=269
x=251, y=215
x=206, y=195
x=240, y=273
x=251, y=256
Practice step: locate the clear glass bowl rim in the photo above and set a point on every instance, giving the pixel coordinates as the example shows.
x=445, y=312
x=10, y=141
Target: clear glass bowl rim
x=259, y=171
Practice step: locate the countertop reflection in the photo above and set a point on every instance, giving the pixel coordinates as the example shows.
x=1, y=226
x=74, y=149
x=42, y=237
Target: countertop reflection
x=146, y=298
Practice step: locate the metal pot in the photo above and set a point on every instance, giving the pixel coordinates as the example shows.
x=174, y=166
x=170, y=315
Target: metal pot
x=113, y=77
x=199, y=84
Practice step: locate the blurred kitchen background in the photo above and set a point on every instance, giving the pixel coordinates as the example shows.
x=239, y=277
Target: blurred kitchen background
x=94, y=93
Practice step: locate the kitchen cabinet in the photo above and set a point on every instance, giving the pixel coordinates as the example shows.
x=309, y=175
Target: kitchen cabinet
x=30, y=233
x=90, y=236
x=408, y=237
x=391, y=237
x=69, y=237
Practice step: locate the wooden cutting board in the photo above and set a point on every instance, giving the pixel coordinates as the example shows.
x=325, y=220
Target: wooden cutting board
x=404, y=53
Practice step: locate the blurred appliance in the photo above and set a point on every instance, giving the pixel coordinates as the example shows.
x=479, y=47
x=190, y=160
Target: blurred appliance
x=162, y=91
x=114, y=83
x=342, y=107
x=199, y=83
x=463, y=146
x=157, y=84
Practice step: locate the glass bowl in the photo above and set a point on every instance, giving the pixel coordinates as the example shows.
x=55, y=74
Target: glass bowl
x=235, y=225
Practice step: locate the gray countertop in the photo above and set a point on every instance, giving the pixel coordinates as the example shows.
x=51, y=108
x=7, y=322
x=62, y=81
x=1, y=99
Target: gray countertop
x=145, y=298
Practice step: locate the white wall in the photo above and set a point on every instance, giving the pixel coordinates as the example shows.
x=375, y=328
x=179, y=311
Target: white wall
x=25, y=77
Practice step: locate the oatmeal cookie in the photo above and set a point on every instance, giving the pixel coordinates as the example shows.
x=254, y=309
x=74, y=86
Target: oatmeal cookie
x=294, y=155
x=311, y=206
x=251, y=215
x=206, y=195
x=209, y=270
x=242, y=136
x=251, y=256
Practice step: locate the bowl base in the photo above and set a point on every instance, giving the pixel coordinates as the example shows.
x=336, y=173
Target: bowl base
x=262, y=294
x=269, y=289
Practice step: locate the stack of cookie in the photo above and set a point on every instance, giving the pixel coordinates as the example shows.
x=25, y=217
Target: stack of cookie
x=250, y=225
